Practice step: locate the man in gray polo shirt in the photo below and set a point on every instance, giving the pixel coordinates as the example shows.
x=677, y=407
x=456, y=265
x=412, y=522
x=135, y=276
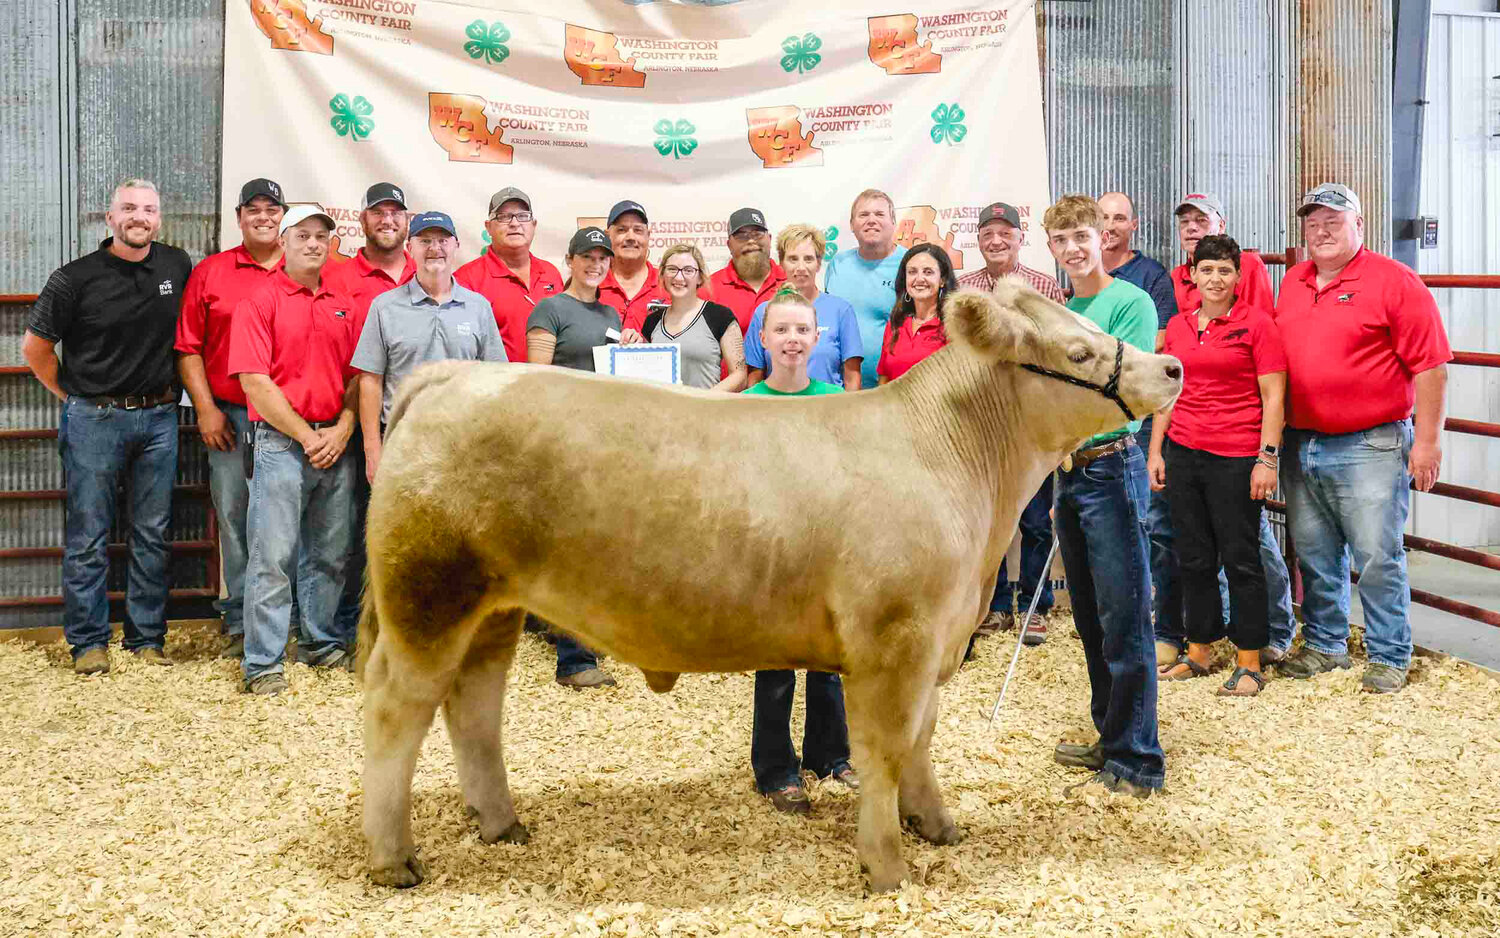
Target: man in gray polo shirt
x=429, y=318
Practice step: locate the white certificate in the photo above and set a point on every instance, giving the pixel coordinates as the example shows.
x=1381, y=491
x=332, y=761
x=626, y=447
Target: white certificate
x=648, y=361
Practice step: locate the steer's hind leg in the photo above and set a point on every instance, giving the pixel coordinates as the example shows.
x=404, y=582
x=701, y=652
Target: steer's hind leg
x=885, y=710
x=474, y=712
x=921, y=799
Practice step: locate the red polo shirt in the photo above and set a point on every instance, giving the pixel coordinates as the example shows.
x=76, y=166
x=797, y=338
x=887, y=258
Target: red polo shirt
x=633, y=309
x=361, y=283
x=510, y=298
x=1220, y=411
x=913, y=344
x=1354, y=347
x=1254, y=288
x=213, y=291
x=728, y=288
x=301, y=338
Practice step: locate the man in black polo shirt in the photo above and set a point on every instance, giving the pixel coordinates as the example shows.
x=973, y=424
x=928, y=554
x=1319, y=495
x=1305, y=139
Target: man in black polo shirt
x=114, y=312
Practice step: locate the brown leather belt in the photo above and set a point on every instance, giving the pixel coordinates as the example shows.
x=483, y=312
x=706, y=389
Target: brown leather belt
x=134, y=401
x=1083, y=457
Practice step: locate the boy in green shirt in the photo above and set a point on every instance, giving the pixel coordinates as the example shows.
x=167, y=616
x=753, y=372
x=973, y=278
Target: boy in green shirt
x=1101, y=501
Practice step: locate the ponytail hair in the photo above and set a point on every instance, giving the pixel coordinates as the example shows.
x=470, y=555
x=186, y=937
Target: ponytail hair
x=789, y=295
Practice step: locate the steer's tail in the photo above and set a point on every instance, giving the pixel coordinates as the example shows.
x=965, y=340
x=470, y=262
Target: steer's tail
x=430, y=375
x=369, y=627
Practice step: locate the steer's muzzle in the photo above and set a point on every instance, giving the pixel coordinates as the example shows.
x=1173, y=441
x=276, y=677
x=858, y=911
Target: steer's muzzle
x=1150, y=382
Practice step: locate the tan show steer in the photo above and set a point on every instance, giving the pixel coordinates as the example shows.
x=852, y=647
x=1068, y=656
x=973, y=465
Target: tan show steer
x=855, y=533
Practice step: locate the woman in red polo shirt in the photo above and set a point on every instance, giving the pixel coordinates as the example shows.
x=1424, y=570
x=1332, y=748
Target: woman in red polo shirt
x=1215, y=454
x=915, y=329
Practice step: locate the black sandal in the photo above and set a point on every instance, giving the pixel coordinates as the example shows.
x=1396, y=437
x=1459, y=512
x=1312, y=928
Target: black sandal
x=1231, y=687
x=1194, y=669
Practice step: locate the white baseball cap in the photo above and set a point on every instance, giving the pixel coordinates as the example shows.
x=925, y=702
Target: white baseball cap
x=301, y=213
x=1330, y=195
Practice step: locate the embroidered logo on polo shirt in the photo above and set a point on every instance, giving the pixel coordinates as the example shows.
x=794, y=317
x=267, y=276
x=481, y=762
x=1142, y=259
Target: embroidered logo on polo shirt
x=1345, y=298
x=1235, y=334
x=341, y=313
x=164, y=288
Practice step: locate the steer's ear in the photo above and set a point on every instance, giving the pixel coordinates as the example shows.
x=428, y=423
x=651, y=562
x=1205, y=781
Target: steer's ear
x=992, y=324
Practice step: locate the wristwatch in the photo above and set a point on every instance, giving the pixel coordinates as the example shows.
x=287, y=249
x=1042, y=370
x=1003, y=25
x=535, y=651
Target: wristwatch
x=1269, y=450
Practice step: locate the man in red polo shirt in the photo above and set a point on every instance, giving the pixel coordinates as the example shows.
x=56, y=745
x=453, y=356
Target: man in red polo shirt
x=751, y=277
x=1199, y=214
x=512, y=278
x=1365, y=348
x=633, y=286
x=383, y=264
x=290, y=348
x=214, y=289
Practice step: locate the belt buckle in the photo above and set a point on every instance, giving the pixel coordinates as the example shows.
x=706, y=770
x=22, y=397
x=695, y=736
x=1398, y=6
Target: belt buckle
x=127, y=405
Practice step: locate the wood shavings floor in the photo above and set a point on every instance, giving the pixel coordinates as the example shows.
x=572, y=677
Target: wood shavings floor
x=163, y=802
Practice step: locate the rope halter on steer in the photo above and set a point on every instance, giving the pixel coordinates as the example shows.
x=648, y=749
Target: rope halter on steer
x=1110, y=388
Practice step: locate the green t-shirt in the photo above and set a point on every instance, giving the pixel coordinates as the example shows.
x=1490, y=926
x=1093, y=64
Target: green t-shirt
x=813, y=387
x=1126, y=312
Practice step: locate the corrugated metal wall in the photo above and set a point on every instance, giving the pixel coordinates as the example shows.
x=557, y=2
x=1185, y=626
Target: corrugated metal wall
x=1461, y=187
x=1342, y=104
x=30, y=146
x=1111, y=99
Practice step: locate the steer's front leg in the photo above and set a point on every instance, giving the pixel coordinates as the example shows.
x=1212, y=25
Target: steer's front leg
x=921, y=798
x=884, y=710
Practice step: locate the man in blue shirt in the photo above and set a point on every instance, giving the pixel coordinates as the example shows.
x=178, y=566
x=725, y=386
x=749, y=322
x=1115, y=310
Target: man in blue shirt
x=866, y=276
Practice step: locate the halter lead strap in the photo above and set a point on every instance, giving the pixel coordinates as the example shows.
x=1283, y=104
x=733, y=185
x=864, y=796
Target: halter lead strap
x=1110, y=388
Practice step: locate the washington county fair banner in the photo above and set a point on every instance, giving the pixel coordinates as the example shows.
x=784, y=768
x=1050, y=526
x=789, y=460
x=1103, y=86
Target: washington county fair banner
x=693, y=109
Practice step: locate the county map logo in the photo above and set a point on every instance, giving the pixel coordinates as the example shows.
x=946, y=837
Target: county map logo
x=594, y=56
x=894, y=46
x=917, y=224
x=776, y=137
x=286, y=24
x=458, y=125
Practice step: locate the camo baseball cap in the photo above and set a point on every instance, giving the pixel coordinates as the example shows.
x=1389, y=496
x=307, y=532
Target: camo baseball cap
x=1330, y=195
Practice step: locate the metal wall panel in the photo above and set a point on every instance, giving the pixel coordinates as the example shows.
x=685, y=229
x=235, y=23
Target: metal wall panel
x=1236, y=69
x=150, y=76
x=1342, y=105
x=1110, y=89
x=30, y=150
x=1461, y=187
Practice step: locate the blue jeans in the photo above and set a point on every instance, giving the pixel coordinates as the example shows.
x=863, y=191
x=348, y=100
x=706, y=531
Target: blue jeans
x=1036, y=542
x=347, y=617
x=1166, y=588
x=1349, y=493
x=294, y=507
x=573, y=658
x=825, y=734
x=231, y=494
x=1280, y=618
x=1103, y=546
x=102, y=446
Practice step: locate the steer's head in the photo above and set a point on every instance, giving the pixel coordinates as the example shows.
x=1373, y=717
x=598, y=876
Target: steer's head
x=1078, y=375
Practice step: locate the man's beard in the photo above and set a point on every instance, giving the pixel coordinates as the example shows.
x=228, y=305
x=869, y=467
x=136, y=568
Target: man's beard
x=135, y=237
x=752, y=266
x=393, y=237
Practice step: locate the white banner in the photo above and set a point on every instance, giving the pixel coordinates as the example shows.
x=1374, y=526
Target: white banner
x=693, y=109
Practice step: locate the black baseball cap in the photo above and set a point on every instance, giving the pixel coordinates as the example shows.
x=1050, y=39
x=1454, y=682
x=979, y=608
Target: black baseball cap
x=999, y=211
x=747, y=218
x=384, y=192
x=259, y=187
x=627, y=206
x=420, y=223
x=586, y=239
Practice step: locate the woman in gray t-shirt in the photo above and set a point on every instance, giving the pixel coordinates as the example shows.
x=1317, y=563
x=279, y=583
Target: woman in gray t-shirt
x=563, y=329
x=713, y=350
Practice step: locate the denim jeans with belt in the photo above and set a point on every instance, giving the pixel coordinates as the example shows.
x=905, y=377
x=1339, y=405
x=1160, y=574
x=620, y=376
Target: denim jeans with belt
x=825, y=734
x=1036, y=543
x=1103, y=546
x=294, y=507
x=102, y=446
x=1349, y=493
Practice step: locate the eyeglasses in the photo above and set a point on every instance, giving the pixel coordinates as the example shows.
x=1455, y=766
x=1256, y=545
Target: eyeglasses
x=508, y=217
x=680, y=271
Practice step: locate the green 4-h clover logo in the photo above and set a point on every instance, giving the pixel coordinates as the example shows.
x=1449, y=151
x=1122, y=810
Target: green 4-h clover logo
x=830, y=242
x=352, y=118
x=947, y=124
x=801, y=54
x=484, y=237
x=487, y=42
x=675, y=140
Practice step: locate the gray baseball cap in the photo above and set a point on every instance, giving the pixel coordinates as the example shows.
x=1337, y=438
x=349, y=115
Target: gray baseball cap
x=1205, y=202
x=1330, y=195
x=509, y=194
